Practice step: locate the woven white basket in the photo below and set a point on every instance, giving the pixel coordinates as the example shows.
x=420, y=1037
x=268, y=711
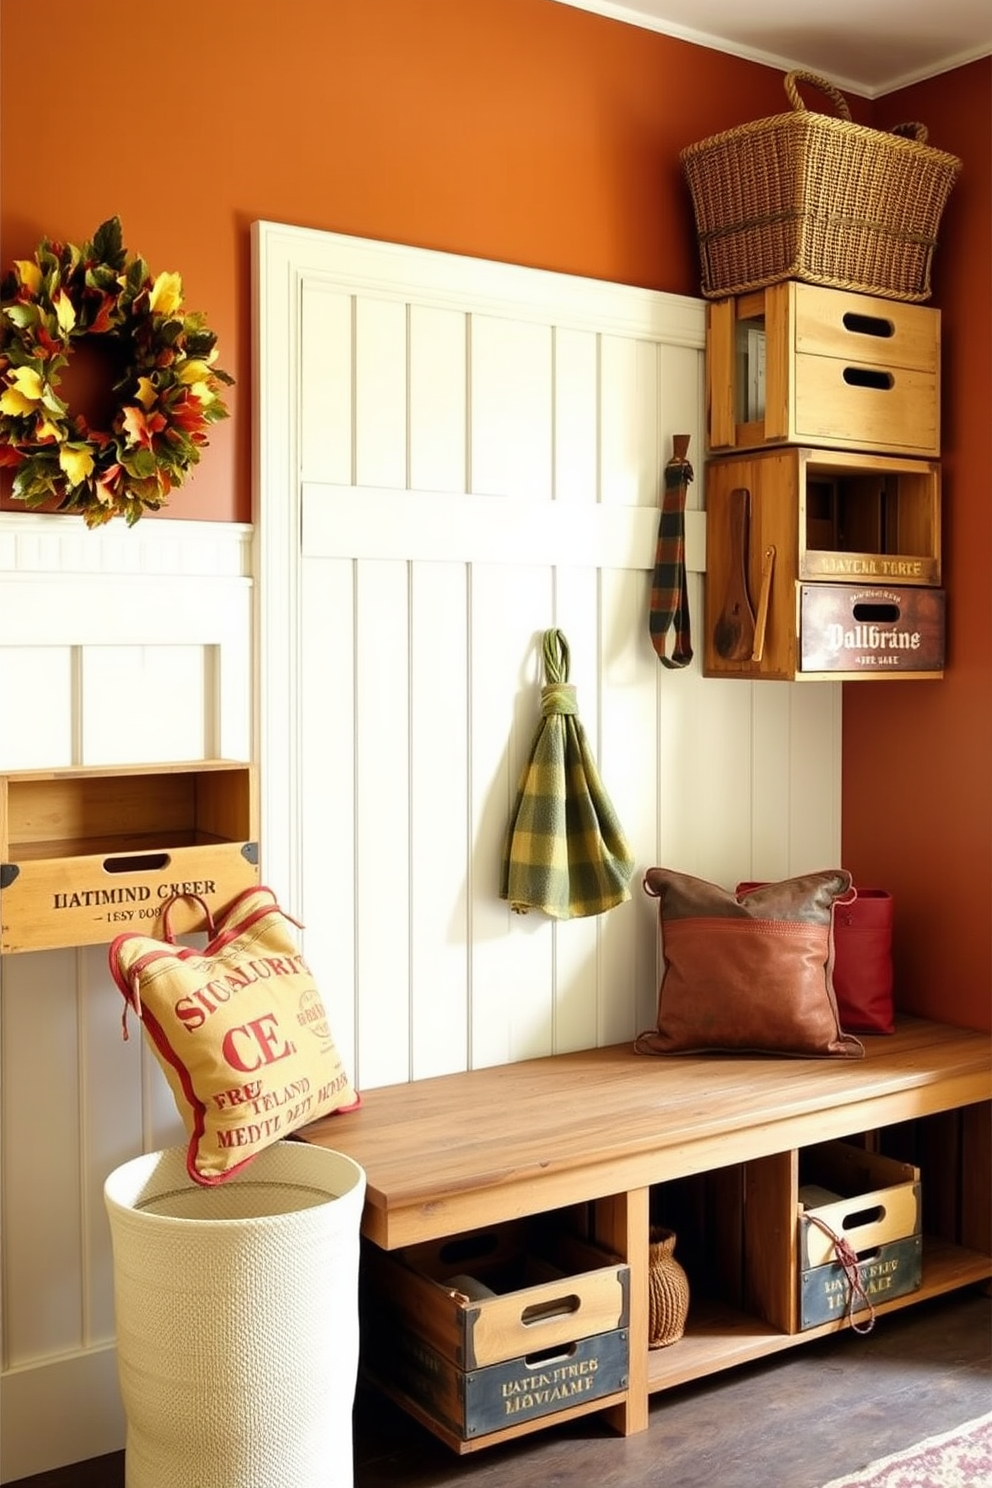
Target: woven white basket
x=237, y=1319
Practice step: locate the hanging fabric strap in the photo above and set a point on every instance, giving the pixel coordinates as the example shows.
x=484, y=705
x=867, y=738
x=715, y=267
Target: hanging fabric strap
x=669, y=592
x=847, y=1258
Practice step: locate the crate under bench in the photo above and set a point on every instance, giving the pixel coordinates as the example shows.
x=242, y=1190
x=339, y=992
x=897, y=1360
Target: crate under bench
x=594, y=1138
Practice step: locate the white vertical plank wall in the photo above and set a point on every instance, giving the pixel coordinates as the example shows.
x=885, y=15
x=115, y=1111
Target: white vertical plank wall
x=455, y=455
x=451, y=457
x=116, y=646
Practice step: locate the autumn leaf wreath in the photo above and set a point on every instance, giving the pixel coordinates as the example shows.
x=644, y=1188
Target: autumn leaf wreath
x=165, y=391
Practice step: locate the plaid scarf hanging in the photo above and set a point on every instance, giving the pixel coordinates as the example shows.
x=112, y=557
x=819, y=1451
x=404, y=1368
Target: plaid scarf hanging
x=565, y=851
x=669, y=592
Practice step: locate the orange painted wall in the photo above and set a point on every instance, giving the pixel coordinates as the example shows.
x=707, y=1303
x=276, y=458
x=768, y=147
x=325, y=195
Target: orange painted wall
x=519, y=130
x=917, y=787
x=525, y=131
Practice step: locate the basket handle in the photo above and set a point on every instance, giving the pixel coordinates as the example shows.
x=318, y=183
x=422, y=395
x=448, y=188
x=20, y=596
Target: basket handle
x=813, y=78
x=914, y=130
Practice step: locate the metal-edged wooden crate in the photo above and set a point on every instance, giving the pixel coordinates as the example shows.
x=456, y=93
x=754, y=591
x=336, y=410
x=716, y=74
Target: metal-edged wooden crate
x=874, y=1204
x=492, y=1328
x=88, y=852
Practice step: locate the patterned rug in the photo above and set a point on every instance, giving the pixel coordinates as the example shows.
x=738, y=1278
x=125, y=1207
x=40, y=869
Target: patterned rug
x=961, y=1458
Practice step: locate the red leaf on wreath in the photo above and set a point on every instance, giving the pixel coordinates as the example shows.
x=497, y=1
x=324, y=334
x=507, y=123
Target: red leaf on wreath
x=101, y=321
x=141, y=427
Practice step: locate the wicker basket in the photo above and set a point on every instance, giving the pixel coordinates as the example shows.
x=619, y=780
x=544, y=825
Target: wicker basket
x=807, y=196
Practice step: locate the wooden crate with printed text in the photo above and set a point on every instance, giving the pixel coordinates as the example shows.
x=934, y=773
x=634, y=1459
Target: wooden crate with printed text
x=89, y=852
x=873, y=1203
x=487, y=1330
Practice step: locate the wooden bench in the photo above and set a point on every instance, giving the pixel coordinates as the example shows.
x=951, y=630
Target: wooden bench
x=595, y=1132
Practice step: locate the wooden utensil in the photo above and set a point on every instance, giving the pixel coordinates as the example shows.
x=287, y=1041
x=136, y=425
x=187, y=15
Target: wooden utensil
x=733, y=633
x=764, y=598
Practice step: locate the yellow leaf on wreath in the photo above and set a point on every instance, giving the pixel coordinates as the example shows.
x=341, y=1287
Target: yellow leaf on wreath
x=65, y=312
x=28, y=382
x=23, y=394
x=203, y=393
x=14, y=403
x=29, y=274
x=76, y=461
x=193, y=371
x=166, y=295
x=147, y=392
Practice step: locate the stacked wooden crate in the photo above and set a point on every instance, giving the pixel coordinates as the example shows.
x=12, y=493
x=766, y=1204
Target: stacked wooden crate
x=823, y=486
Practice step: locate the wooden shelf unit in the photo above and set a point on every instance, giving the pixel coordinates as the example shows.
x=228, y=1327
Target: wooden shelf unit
x=822, y=487
x=830, y=518
x=593, y=1132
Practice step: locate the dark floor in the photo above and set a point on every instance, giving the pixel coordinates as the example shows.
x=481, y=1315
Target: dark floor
x=795, y=1420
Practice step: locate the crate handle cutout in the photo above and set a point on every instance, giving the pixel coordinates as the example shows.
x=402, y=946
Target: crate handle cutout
x=869, y=377
x=863, y=1217
x=137, y=863
x=553, y=1307
x=868, y=325
x=885, y=612
x=550, y=1356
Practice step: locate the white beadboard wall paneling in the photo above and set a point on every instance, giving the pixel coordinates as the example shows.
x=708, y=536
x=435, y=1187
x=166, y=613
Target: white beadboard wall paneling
x=629, y=767
x=510, y=410
x=124, y=646
x=438, y=391
x=328, y=753
x=44, y=733
x=380, y=392
x=326, y=406
x=576, y=417
x=495, y=470
x=382, y=807
x=42, y=1201
x=440, y=825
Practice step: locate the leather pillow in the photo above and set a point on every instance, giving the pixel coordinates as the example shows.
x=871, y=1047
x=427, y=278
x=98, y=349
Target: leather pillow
x=750, y=972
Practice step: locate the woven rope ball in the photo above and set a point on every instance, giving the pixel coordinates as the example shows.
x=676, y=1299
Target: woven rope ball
x=668, y=1290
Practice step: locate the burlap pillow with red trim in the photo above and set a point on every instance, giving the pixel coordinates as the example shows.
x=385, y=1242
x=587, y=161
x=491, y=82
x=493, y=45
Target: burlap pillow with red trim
x=240, y=1030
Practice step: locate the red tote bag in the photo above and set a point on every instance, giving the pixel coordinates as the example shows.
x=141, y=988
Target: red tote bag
x=862, y=976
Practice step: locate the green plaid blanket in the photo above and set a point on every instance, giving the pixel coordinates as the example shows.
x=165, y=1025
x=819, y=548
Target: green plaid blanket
x=565, y=851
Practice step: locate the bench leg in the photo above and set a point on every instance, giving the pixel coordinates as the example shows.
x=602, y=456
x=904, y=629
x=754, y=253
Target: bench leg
x=622, y=1223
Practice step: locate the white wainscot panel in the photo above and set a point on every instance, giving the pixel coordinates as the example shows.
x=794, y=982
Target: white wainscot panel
x=327, y=791
x=142, y=704
x=511, y=408
x=440, y=761
x=326, y=387
x=576, y=416
x=43, y=1262
x=382, y=806
x=36, y=706
x=380, y=393
x=129, y=645
x=631, y=454
x=438, y=394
